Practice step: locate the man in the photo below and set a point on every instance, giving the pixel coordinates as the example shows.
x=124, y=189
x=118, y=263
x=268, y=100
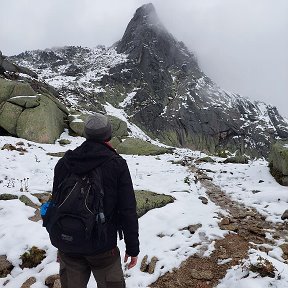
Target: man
x=119, y=207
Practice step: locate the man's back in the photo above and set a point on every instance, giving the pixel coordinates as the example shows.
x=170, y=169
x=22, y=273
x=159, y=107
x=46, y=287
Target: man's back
x=119, y=209
x=119, y=198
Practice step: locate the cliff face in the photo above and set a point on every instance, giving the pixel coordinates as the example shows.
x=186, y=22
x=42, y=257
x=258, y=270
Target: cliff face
x=159, y=84
x=180, y=105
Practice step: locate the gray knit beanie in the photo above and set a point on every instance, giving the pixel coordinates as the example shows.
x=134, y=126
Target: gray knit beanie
x=98, y=128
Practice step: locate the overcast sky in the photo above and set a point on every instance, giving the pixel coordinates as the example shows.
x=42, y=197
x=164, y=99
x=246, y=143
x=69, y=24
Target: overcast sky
x=241, y=44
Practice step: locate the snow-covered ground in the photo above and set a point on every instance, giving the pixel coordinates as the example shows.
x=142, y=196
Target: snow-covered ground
x=161, y=233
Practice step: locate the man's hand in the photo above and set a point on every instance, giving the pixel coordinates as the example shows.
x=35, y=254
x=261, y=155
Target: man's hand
x=133, y=261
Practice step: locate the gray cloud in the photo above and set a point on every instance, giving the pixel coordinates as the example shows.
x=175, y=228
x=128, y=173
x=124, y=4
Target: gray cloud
x=241, y=44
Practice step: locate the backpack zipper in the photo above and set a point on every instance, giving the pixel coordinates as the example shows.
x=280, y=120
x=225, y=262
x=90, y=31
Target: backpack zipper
x=68, y=195
x=86, y=201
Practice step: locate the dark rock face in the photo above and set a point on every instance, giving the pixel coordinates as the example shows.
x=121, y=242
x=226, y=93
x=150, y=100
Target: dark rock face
x=159, y=84
x=180, y=105
x=8, y=66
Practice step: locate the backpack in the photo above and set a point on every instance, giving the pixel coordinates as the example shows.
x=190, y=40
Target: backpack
x=75, y=218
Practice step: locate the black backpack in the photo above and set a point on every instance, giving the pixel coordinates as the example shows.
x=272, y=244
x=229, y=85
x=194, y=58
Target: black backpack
x=75, y=218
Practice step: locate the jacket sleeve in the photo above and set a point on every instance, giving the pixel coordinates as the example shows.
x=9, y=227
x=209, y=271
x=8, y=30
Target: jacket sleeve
x=127, y=211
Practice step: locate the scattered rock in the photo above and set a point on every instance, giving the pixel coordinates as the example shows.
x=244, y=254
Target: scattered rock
x=148, y=268
x=152, y=265
x=24, y=199
x=32, y=258
x=5, y=266
x=222, y=253
x=285, y=215
x=203, y=199
x=147, y=200
x=64, y=142
x=230, y=227
x=237, y=159
x=8, y=147
x=22, y=150
x=256, y=230
x=225, y=221
x=36, y=217
x=242, y=215
x=263, y=267
x=193, y=228
x=28, y=282
x=209, y=171
x=205, y=159
x=205, y=177
x=284, y=248
x=261, y=181
x=50, y=281
x=56, y=154
x=144, y=264
x=20, y=143
x=8, y=197
x=202, y=275
x=264, y=249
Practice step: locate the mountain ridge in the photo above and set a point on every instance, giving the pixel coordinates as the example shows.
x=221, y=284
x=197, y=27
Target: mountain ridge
x=159, y=84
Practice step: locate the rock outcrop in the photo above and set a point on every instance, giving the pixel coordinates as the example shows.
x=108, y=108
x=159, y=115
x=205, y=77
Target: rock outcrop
x=140, y=147
x=8, y=66
x=159, y=84
x=147, y=200
x=5, y=266
x=278, y=162
x=177, y=103
x=26, y=114
x=77, y=120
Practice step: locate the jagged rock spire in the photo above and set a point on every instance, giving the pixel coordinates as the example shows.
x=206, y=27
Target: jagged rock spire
x=146, y=39
x=144, y=27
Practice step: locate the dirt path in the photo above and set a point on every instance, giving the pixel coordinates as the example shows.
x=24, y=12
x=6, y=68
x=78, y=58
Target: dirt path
x=249, y=230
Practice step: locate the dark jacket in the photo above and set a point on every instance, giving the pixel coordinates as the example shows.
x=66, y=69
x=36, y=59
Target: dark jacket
x=119, y=197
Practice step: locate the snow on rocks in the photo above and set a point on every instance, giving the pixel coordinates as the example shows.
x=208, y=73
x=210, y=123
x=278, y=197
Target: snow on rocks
x=163, y=232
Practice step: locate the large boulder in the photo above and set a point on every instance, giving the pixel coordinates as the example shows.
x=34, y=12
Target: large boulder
x=147, y=200
x=7, y=65
x=25, y=101
x=77, y=120
x=5, y=266
x=140, y=147
x=9, y=114
x=42, y=124
x=278, y=162
x=119, y=127
x=9, y=89
x=35, y=117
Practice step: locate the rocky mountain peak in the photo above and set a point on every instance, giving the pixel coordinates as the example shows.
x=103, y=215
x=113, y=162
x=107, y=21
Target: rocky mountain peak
x=156, y=80
x=147, y=13
x=146, y=34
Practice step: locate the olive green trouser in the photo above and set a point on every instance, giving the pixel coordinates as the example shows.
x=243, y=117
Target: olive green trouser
x=106, y=268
